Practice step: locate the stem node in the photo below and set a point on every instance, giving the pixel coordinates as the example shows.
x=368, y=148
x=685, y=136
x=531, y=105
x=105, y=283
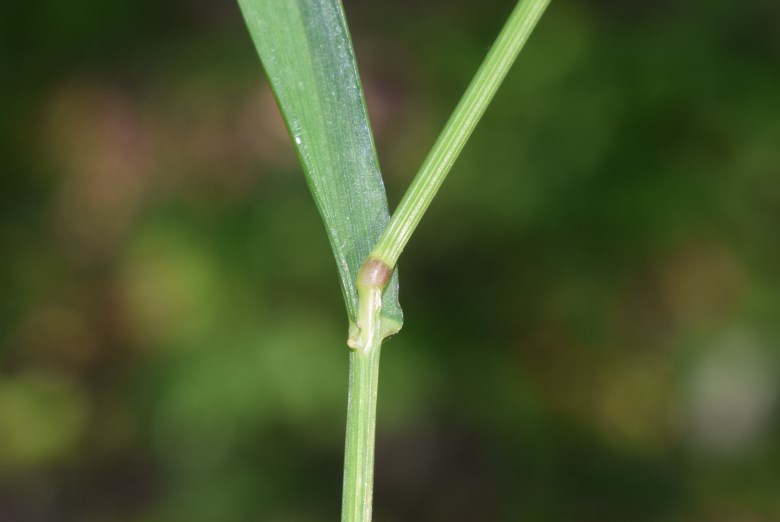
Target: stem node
x=372, y=278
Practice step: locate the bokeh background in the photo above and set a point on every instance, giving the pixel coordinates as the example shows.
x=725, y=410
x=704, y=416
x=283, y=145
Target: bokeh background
x=592, y=303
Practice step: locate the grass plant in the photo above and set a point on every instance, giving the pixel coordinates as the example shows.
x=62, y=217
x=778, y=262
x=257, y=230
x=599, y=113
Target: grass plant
x=305, y=48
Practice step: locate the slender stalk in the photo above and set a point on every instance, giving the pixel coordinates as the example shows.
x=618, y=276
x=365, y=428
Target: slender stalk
x=366, y=343
x=457, y=130
x=361, y=428
x=366, y=339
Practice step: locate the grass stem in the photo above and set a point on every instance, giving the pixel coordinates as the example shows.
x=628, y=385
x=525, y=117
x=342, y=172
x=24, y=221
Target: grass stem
x=366, y=339
x=361, y=429
x=458, y=129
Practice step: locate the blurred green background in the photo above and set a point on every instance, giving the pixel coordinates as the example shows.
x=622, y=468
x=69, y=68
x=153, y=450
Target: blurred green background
x=592, y=303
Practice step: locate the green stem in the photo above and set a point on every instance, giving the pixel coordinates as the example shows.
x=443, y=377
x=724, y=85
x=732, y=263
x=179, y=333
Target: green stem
x=366, y=337
x=458, y=129
x=366, y=343
x=361, y=429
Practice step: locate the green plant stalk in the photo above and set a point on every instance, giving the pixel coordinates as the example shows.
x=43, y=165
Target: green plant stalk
x=367, y=337
x=457, y=130
x=361, y=429
x=361, y=404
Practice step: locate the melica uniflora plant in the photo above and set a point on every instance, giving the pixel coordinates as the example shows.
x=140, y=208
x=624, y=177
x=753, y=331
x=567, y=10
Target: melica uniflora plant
x=307, y=54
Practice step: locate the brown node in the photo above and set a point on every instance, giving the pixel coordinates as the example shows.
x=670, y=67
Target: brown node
x=374, y=273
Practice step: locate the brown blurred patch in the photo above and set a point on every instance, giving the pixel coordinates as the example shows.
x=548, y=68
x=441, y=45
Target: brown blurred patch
x=703, y=284
x=55, y=336
x=700, y=285
x=99, y=142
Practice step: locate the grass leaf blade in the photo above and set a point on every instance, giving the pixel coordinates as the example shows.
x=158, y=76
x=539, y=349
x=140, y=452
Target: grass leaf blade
x=307, y=54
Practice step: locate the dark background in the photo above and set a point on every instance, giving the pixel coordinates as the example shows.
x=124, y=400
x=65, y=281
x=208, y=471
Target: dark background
x=592, y=303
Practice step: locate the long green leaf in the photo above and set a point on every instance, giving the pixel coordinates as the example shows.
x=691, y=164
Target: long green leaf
x=307, y=54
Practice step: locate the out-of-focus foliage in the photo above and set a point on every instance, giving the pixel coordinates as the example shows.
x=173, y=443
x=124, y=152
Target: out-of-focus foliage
x=593, y=302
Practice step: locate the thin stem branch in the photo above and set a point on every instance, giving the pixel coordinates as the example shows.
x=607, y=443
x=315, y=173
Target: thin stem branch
x=361, y=429
x=361, y=406
x=366, y=339
x=458, y=129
